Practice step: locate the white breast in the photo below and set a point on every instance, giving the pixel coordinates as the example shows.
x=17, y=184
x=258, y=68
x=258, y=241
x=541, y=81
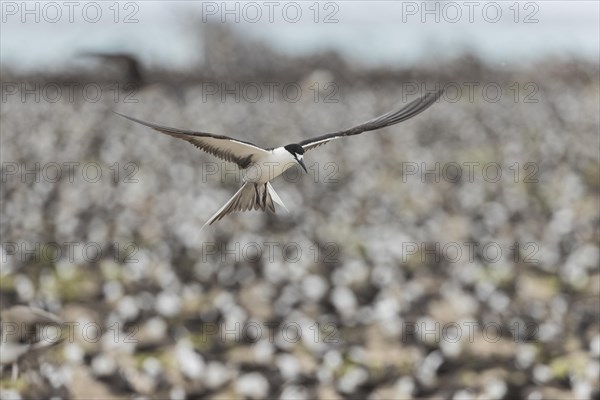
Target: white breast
x=269, y=167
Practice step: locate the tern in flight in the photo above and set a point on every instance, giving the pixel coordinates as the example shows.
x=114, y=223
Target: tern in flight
x=264, y=165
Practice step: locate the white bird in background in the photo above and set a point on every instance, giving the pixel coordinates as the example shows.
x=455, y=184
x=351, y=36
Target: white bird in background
x=25, y=330
x=264, y=165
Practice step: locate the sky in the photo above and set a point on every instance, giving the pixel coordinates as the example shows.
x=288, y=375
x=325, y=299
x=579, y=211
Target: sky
x=49, y=35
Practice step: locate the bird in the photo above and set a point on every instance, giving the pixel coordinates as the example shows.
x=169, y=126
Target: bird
x=262, y=165
x=135, y=77
x=132, y=71
x=24, y=330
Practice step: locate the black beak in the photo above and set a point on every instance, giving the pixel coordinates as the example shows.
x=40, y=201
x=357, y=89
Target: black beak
x=301, y=162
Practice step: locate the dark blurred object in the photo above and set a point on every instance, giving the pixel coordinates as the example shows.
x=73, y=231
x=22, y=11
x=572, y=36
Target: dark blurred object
x=127, y=63
x=24, y=333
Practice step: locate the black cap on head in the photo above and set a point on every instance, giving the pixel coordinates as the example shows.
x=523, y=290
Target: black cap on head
x=297, y=150
x=294, y=148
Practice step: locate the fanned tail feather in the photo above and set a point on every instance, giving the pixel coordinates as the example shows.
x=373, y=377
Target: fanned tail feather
x=275, y=197
x=249, y=196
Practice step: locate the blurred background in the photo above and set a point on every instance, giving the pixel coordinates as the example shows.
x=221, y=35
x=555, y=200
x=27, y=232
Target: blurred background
x=452, y=256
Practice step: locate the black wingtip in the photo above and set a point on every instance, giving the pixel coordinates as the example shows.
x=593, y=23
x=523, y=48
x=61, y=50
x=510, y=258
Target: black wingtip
x=118, y=113
x=132, y=119
x=433, y=96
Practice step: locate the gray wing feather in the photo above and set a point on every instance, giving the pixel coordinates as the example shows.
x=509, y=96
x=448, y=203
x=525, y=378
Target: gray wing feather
x=391, y=118
x=223, y=147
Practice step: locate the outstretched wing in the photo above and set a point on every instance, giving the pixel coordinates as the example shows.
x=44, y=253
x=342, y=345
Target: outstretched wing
x=224, y=147
x=391, y=118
